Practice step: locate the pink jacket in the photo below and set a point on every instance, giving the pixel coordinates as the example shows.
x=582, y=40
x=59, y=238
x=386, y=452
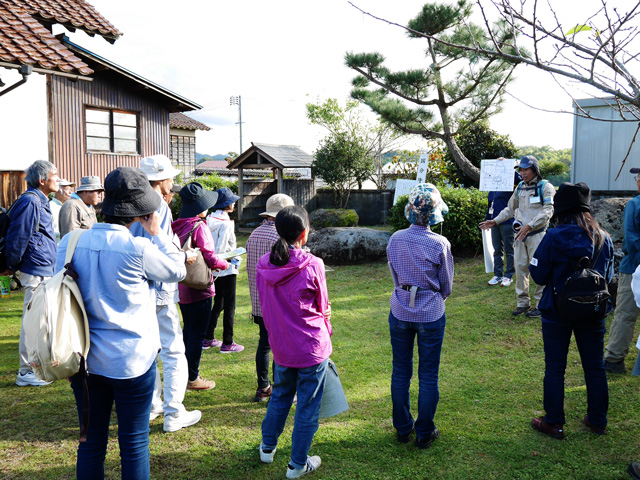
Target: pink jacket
x=293, y=298
x=201, y=238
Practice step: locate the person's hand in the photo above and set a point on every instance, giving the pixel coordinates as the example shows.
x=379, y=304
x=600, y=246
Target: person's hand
x=327, y=312
x=486, y=225
x=521, y=236
x=192, y=254
x=151, y=224
x=501, y=158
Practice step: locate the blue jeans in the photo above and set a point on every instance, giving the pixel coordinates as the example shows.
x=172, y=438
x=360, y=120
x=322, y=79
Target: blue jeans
x=133, y=404
x=309, y=383
x=430, y=336
x=590, y=342
x=502, y=241
x=195, y=318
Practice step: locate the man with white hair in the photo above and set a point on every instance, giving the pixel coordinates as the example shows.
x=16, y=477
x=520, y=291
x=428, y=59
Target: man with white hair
x=160, y=174
x=31, y=246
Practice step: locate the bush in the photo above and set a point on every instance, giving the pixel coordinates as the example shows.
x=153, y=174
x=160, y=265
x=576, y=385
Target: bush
x=323, y=218
x=467, y=208
x=210, y=182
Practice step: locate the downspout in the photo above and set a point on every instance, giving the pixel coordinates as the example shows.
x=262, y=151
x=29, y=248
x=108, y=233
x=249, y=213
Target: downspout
x=25, y=70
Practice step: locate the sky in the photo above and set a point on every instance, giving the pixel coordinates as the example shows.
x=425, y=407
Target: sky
x=278, y=56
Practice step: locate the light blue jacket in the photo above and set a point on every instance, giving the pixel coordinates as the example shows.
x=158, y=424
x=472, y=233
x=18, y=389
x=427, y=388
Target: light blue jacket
x=631, y=242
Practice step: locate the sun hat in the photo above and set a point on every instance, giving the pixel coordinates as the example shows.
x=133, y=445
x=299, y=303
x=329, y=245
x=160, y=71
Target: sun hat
x=158, y=167
x=225, y=198
x=90, y=183
x=66, y=183
x=196, y=199
x=572, y=198
x=128, y=194
x=275, y=203
x=530, y=162
x=425, y=206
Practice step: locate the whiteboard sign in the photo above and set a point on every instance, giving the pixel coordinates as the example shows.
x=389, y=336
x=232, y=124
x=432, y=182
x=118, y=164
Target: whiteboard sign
x=423, y=165
x=496, y=175
x=403, y=187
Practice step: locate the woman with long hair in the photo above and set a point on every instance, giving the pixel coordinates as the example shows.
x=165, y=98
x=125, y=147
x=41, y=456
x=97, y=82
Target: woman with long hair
x=295, y=307
x=576, y=235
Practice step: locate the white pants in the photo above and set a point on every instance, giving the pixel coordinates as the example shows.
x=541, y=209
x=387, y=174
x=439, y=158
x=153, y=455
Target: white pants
x=174, y=363
x=522, y=254
x=30, y=283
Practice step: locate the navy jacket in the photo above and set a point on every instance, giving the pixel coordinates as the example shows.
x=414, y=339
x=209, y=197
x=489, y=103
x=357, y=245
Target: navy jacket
x=555, y=259
x=631, y=241
x=31, y=247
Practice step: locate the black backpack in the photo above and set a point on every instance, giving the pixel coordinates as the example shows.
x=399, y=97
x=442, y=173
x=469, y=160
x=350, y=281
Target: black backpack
x=584, y=295
x=4, y=228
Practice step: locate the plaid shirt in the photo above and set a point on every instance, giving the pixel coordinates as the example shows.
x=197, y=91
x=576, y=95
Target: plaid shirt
x=422, y=258
x=260, y=242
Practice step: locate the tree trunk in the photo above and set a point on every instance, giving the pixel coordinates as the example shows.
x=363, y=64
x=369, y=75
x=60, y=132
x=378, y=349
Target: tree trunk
x=465, y=165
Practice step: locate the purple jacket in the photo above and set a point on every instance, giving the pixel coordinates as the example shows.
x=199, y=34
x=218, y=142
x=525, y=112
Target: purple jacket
x=202, y=239
x=293, y=298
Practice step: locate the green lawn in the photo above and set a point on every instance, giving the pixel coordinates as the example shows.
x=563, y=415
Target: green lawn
x=490, y=386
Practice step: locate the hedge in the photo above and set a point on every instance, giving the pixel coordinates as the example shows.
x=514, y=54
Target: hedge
x=467, y=208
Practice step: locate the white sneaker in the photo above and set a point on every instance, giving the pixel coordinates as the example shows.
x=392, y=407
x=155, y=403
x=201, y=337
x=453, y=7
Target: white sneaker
x=30, y=380
x=173, y=423
x=505, y=282
x=312, y=465
x=494, y=281
x=155, y=412
x=266, y=457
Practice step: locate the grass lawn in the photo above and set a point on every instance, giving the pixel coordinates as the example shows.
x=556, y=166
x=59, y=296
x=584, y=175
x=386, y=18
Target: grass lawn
x=490, y=388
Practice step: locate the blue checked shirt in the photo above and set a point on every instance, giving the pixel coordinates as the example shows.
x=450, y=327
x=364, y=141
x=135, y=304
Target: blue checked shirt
x=421, y=258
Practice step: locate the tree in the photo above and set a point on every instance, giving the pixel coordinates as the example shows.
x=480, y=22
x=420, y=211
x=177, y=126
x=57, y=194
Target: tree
x=440, y=98
x=343, y=163
x=377, y=137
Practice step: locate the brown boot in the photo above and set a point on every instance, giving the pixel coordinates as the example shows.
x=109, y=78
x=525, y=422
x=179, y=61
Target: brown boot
x=263, y=394
x=554, y=430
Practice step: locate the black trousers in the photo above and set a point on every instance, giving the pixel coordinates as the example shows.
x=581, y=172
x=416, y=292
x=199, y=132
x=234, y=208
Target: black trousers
x=224, y=300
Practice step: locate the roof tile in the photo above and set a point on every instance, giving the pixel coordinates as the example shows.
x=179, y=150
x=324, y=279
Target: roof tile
x=180, y=120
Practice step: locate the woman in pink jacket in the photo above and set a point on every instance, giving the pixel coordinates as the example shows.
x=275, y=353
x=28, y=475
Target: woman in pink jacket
x=195, y=305
x=295, y=306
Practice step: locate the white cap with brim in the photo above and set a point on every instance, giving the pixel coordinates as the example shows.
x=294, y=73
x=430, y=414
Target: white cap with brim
x=275, y=203
x=66, y=183
x=158, y=167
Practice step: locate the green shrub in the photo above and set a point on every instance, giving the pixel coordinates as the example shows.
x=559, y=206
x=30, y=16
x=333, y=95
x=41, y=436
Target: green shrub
x=210, y=182
x=339, y=217
x=467, y=208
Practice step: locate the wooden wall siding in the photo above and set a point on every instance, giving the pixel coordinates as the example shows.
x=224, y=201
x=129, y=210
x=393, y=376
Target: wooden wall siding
x=183, y=153
x=67, y=100
x=256, y=193
x=12, y=184
x=302, y=191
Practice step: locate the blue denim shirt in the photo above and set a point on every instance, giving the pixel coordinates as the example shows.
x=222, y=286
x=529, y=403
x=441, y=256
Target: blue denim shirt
x=116, y=272
x=631, y=242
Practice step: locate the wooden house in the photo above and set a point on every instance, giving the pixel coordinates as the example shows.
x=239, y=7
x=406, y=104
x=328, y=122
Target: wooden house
x=182, y=141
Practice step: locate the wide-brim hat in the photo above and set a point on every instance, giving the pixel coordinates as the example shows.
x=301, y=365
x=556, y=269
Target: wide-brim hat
x=572, y=198
x=90, y=184
x=66, y=183
x=425, y=205
x=225, y=198
x=196, y=199
x=128, y=194
x=158, y=167
x=275, y=203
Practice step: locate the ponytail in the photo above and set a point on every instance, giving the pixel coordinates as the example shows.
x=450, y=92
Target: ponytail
x=290, y=223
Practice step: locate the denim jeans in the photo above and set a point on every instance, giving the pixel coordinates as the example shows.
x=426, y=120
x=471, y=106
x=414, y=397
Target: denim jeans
x=502, y=241
x=133, y=404
x=430, y=336
x=590, y=342
x=309, y=383
x=224, y=302
x=195, y=318
x=262, y=354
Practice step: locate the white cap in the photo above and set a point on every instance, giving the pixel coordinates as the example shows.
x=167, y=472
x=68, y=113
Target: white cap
x=158, y=167
x=275, y=203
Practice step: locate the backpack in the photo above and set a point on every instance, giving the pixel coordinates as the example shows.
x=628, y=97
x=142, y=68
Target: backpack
x=56, y=329
x=539, y=189
x=584, y=295
x=4, y=229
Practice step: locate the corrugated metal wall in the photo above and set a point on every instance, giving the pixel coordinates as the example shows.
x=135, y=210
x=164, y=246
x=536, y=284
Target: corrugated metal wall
x=67, y=144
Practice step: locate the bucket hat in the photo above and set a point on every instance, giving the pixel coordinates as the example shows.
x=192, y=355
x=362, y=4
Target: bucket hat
x=128, y=194
x=225, y=198
x=196, y=199
x=66, y=183
x=90, y=184
x=158, y=167
x=572, y=198
x=425, y=206
x=275, y=203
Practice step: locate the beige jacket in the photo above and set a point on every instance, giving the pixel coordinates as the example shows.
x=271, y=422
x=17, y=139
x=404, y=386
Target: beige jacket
x=76, y=214
x=527, y=208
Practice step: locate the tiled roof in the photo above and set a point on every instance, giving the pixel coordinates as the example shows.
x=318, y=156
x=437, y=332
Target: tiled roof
x=25, y=41
x=213, y=164
x=180, y=120
x=71, y=14
x=281, y=156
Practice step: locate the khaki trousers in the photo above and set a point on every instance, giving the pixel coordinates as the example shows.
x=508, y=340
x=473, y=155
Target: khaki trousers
x=624, y=321
x=522, y=254
x=30, y=283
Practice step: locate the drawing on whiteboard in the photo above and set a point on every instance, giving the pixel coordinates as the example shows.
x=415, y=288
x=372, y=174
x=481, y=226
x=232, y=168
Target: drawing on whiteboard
x=496, y=175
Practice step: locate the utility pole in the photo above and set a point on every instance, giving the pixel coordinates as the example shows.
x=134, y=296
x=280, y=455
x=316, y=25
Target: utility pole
x=238, y=101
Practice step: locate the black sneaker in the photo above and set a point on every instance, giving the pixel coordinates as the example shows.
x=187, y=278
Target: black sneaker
x=615, y=367
x=634, y=470
x=404, y=438
x=424, y=443
x=519, y=311
x=533, y=313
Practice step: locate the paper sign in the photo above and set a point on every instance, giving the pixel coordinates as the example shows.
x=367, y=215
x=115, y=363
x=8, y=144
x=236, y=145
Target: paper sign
x=496, y=175
x=403, y=187
x=487, y=247
x=423, y=165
